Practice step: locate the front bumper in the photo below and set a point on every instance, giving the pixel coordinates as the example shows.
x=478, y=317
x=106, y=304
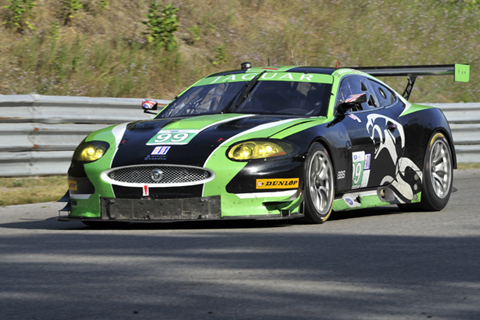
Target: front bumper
x=238, y=191
x=202, y=208
x=186, y=209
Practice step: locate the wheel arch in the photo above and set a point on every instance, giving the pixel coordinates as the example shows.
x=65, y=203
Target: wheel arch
x=420, y=132
x=451, y=144
x=338, y=159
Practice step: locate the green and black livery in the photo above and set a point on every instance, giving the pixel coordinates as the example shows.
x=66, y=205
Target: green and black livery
x=270, y=143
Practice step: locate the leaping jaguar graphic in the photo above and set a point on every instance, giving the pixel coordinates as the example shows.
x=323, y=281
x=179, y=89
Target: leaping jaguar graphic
x=398, y=190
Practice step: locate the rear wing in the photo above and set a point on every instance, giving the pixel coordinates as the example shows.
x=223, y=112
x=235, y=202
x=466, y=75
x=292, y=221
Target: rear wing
x=461, y=73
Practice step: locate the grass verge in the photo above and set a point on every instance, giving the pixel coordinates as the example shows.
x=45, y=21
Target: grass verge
x=26, y=190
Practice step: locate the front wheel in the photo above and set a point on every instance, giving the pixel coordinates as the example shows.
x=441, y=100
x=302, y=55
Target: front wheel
x=319, y=184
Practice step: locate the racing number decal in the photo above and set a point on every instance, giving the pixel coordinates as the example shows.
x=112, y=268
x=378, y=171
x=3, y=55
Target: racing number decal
x=361, y=169
x=172, y=137
x=357, y=173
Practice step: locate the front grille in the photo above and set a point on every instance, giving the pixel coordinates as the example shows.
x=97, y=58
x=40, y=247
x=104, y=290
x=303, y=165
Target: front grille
x=159, y=175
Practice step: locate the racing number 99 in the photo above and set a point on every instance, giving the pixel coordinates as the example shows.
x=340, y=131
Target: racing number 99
x=172, y=138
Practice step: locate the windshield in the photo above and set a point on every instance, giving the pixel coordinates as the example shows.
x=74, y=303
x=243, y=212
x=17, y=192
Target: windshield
x=209, y=99
x=266, y=97
x=284, y=97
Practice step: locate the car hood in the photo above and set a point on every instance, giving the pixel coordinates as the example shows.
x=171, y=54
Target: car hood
x=191, y=140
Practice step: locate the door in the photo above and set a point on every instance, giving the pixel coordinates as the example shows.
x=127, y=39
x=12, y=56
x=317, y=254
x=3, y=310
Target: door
x=376, y=136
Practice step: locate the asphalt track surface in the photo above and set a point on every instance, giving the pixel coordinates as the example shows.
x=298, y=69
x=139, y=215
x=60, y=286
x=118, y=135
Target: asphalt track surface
x=369, y=264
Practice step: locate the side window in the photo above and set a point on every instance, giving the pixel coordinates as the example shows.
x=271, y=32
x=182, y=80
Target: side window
x=355, y=85
x=384, y=95
x=348, y=87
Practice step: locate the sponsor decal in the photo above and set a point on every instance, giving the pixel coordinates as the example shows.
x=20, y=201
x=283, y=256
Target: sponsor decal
x=361, y=169
x=160, y=151
x=276, y=76
x=354, y=200
x=246, y=76
x=72, y=185
x=368, y=156
x=287, y=183
x=172, y=137
x=349, y=202
x=146, y=191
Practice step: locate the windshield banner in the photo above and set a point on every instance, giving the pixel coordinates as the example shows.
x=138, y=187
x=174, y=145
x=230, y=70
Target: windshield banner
x=269, y=76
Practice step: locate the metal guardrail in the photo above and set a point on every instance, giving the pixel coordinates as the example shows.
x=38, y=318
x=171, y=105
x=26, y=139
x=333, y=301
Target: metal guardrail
x=464, y=119
x=39, y=133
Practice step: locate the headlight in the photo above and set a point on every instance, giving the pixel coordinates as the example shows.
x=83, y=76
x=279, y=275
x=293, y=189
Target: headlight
x=90, y=151
x=248, y=150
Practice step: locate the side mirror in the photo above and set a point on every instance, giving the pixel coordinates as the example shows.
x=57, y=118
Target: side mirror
x=351, y=102
x=149, y=105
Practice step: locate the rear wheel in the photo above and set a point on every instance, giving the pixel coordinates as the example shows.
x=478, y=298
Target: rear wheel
x=437, y=176
x=319, y=184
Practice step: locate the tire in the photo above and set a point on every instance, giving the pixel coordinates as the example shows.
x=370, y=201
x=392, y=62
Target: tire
x=437, y=176
x=319, y=184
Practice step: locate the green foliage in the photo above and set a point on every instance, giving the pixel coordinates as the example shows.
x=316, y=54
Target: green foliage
x=468, y=4
x=68, y=10
x=107, y=54
x=195, y=32
x=161, y=25
x=18, y=14
x=54, y=31
x=103, y=4
x=220, y=55
x=94, y=7
x=459, y=6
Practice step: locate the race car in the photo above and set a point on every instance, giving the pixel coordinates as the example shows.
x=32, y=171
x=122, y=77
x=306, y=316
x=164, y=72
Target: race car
x=270, y=143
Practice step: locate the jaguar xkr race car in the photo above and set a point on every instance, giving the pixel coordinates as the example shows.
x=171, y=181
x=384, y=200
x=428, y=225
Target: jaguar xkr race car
x=270, y=143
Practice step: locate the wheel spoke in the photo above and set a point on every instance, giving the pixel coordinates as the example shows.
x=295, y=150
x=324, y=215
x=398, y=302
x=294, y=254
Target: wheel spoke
x=323, y=174
x=437, y=155
x=438, y=180
x=316, y=165
x=439, y=169
x=319, y=199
